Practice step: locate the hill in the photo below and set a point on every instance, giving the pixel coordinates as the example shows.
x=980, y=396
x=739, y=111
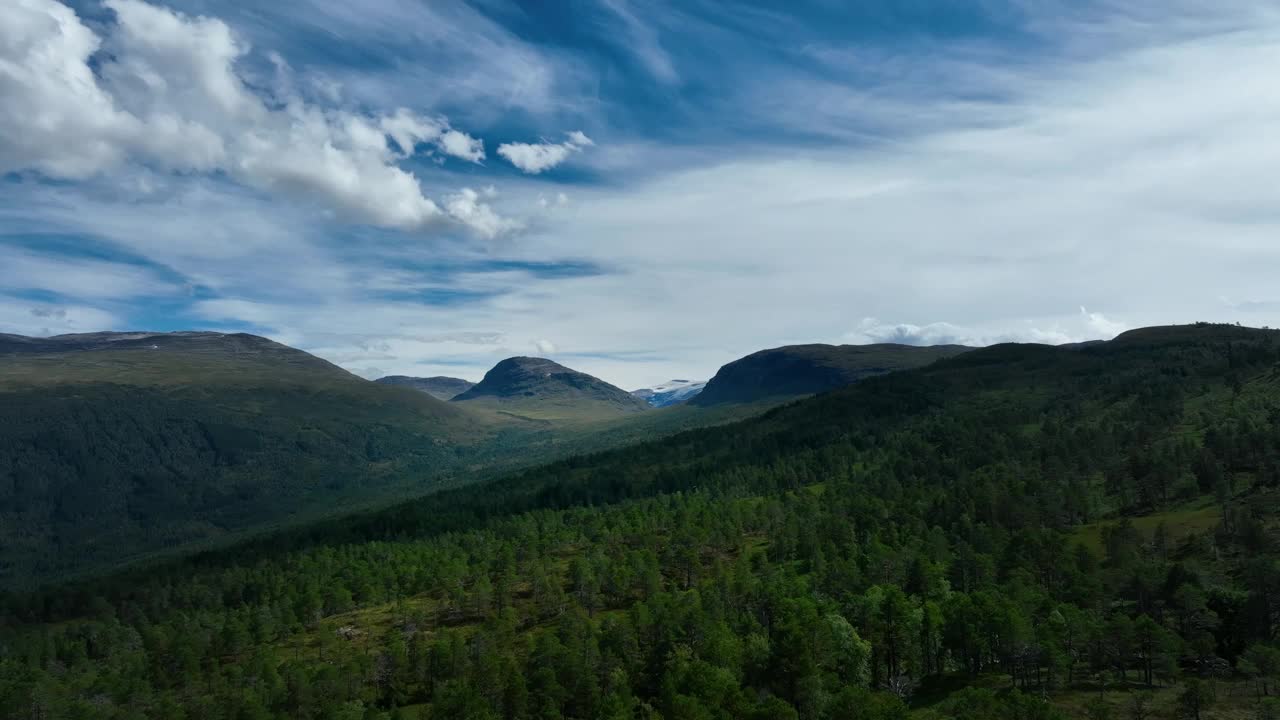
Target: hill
x=539, y=389
x=115, y=444
x=441, y=387
x=797, y=370
x=1019, y=531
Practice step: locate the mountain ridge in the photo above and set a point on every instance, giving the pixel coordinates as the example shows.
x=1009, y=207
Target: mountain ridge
x=438, y=386
x=112, y=445
x=1016, y=500
x=797, y=370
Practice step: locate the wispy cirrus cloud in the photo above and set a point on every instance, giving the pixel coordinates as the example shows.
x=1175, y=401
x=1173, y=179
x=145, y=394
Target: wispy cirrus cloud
x=973, y=173
x=78, y=277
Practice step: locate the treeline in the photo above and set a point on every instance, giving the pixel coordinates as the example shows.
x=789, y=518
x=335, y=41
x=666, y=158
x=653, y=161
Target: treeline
x=909, y=542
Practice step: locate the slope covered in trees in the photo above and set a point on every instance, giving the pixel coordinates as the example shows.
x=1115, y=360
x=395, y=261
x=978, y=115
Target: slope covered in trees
x=113, y=444
x=1000, y=535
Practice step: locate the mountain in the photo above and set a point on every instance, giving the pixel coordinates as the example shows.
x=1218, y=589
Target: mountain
x=670, y=392
x=1021, y=531
x=797, y=370
x=117, y=444
x=540, y=389
x=444, y=388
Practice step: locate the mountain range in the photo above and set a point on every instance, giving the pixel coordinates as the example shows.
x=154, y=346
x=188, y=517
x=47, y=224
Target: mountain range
x=114, y=446
x=1016, y=531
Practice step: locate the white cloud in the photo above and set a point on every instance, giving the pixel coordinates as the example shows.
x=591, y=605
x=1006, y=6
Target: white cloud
x=20, y=317
x=465, y=207
x=460, y=145
x=78, y=277
x=641, y=39
x=534, y=158
x=54, y=118
x=167, y=94
x=545, y=347
x=1056, y=331
x=475, y=62
x=871, y=330
x=579, y=139
x=1135, y=179
x=1104, y=327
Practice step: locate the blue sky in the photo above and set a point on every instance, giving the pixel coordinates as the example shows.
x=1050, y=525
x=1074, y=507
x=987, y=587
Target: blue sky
x=638, y=190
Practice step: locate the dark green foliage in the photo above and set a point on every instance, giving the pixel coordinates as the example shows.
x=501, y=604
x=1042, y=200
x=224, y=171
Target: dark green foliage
x=901, y=545
x=142, y=445
x=115, y=446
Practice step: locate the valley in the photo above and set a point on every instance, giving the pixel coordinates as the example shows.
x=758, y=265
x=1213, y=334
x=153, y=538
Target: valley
x=115, y=447
x=1017, y=531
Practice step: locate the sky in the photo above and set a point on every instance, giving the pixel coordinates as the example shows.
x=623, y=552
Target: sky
x=639, y=190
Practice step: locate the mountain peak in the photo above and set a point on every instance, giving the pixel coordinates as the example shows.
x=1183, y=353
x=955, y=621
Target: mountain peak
x=541, y=388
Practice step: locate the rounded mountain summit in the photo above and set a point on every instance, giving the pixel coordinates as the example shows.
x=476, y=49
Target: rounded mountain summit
x=542, y=389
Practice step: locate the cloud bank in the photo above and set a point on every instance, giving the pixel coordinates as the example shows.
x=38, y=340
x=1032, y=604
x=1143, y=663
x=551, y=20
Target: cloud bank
x=161, y=88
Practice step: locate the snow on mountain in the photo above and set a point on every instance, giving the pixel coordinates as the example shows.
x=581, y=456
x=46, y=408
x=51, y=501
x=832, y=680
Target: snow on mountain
x=670, y=392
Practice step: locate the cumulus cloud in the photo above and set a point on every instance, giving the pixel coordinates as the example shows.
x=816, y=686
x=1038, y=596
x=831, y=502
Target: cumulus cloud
x=534, y=158
x=166, y=93
x=55, y=118
x=1087, y=326
x=546, y=347
x=466, y=207
x=1104, y=327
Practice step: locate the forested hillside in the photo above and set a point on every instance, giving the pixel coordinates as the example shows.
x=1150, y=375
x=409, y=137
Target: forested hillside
x=115, y=444
x=1017, y=532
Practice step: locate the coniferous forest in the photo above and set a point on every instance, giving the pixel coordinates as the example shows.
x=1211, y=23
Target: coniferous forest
x=1022, y=531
